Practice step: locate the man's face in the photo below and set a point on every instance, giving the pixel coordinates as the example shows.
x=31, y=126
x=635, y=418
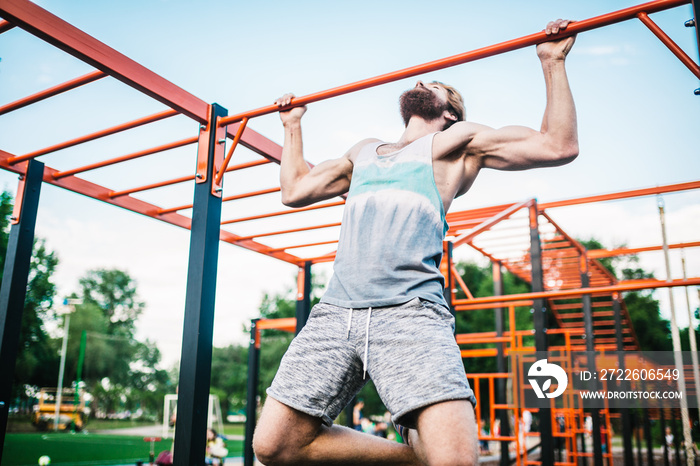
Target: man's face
x=424, y=101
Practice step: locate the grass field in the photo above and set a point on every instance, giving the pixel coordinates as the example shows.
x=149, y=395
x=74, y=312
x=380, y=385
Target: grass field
x=85, y=449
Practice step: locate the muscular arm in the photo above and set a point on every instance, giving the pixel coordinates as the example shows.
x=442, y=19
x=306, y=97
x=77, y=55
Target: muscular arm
x=519, y=147
x=301, y=185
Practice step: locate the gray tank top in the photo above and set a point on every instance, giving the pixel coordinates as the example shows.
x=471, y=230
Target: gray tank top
x=390, y=244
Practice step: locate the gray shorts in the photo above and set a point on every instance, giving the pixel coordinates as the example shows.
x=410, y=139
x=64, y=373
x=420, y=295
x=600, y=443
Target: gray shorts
x=412, y=358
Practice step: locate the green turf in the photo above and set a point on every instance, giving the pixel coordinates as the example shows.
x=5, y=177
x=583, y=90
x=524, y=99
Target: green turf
x=85, y=449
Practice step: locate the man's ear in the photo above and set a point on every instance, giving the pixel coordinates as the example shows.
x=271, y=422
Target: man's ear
x=449, y=115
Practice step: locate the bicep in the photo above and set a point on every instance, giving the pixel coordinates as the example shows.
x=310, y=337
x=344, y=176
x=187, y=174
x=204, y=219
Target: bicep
x=324, y=181
x=513, y=148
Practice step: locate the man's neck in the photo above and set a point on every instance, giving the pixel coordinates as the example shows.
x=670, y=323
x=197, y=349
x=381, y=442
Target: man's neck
x=417, y=128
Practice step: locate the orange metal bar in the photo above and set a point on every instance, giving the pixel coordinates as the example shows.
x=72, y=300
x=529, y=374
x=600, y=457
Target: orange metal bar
x=283, y=212
x=670, y=188
x=182, y=179
x=52, y=91
x=229, y=198
x=598, y=253
x=514, y=44
x=241, y=166
x=468, y=307
x=39, y=22
x=234, y=144
x=467, y=237
x=288, y=324
x=462, y=285
x=5, y=26
x=123, y=158
x=621, y=286
x=93, y=136
x=297, y=246
x=293, y=230
x=668, y=42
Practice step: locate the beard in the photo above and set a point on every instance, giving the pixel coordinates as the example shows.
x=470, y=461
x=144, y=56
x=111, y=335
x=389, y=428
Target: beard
x=422, y=103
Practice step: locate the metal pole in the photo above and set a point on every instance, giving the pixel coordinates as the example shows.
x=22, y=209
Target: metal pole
x=303, y=296
x=676, y=338
x=501, y=368
x=691, y=335
x=590, y=350
x=449, y=280
x=662, y=415
x=198, y=328
x=79, y=372
x=252, y=394
x=14, y=283
x=59, y=391
x=647, y=436
x=540, y=321
x=626, y=418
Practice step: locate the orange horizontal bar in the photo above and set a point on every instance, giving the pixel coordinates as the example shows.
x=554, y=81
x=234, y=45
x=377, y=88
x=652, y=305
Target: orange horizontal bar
x=293, y=230
x=470, y=307
x=621, y=286
x=124, y=158
x=182, y=179
x=668, y=42
x=52, y=91
x=670, y=188
x=283, y=212
x=307, y=245
x=5, y=26
x=226, y=199
x=514, y=44
x=479, y=353
x=598, y=253
x=468, y=237
x=287, y=323
x=241, y=166
x=96, y=135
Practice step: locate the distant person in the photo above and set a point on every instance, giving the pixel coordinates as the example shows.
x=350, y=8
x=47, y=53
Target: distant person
x=357, y=415
x=216, y=448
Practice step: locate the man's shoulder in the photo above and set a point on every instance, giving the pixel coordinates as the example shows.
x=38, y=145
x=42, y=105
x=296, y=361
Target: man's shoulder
x=355, y=150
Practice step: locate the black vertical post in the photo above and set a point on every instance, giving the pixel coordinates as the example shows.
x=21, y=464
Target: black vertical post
x=590, y=350
x=198, y=328
x=14, y=283
x=449, y=281
x=626, y=420
x=540, y=321
x=303, y=295
x=252, y=394
x=501, y=367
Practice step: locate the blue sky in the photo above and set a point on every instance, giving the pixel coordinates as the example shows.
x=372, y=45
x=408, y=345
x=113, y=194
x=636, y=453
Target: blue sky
x=637, y=122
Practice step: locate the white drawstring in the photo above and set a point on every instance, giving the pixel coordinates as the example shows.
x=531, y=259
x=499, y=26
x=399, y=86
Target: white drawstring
x=347, y=337
x=369, y=314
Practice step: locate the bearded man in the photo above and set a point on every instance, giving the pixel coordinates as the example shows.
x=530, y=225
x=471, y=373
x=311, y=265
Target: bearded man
x=384, y=314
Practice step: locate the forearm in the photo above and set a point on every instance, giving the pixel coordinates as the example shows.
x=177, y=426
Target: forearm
x=559, y=125
x=293, y=167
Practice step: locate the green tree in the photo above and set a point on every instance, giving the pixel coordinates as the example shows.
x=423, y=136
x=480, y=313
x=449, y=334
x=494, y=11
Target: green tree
x=114, y=291
x=37, y=358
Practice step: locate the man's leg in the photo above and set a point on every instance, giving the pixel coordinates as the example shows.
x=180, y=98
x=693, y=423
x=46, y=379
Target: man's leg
x=446, y=434
x=285, y=436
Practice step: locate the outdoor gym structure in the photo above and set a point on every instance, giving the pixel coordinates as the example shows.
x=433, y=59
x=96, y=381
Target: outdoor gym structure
x=520, y=237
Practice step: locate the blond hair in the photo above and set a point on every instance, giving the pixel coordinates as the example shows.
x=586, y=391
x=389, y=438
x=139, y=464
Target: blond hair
x=455, y=103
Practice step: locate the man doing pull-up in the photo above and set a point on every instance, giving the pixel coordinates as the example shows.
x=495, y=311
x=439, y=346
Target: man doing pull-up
x=384, y=315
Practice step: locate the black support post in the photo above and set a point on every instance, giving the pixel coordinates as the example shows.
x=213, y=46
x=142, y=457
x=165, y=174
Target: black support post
x=590, y=350
x=540, y=321
x=662, y=416
x=647, y=436
x=252, y=394
x=198, y=329
x=303, y=295
x=626, y=418
x=501, y=368
x=14, y=283
x=449, y=281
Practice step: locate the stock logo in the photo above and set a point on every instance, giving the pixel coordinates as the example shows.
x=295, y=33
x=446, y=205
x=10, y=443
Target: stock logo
x=542, y=369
